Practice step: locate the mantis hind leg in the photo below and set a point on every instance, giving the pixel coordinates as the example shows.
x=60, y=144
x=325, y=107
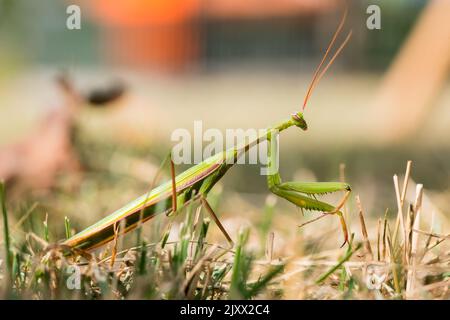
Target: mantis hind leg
x=213, y=215
x=302, y=194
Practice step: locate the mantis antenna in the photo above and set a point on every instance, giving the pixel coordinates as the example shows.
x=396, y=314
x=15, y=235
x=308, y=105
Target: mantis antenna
x=319, y=73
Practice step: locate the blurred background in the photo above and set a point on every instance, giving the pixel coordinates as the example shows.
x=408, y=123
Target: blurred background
x=231, y=64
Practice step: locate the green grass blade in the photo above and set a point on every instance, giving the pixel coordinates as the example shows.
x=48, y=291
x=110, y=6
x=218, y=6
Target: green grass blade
x=347, y=256
x=201, y=238
x=7, y=240
x=264, y=281
x=67, y=227
x=143, y=259
x=46, y=233
x=238, y=271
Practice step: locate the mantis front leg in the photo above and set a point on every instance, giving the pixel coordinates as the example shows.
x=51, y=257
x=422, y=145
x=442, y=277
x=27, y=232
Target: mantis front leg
x=302, y=194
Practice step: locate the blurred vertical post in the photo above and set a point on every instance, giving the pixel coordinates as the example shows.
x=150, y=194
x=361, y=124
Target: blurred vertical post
x=416, y=76
x=160, y=35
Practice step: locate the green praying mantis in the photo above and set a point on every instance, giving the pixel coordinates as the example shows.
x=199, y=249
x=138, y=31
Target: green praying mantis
x=195, y=183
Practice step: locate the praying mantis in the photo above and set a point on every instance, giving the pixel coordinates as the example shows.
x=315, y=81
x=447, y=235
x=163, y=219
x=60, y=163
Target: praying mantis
x=195, y=183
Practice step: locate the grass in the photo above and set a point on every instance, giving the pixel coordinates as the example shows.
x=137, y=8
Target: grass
x=182, y=256
x=6, y=237
x=189, y=268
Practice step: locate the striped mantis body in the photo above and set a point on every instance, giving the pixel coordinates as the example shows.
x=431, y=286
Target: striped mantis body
x=195, y=183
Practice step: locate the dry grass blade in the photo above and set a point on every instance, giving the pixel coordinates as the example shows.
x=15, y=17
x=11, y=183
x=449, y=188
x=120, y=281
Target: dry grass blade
x=367, y=245
x=25, y=216
x=400, y=223
x=432, y=286
x=400, y=197
x=384, y=238
x=405, y=181
x=432, y=234
x=269, y=246
x=195, y=270
x=411, y=278
x=379, y=237
x=428, y=242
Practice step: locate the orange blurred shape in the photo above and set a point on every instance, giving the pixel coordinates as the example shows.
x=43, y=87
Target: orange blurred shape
x=160, y=34
x=144, y=12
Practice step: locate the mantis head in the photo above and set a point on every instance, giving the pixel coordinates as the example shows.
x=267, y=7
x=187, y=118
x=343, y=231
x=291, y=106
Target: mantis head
x=299, y=121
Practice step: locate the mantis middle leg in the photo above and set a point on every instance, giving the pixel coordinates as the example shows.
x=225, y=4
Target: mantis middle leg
x=302, y=194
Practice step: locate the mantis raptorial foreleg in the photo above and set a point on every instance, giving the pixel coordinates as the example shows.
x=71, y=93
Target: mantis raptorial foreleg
x=302, y=194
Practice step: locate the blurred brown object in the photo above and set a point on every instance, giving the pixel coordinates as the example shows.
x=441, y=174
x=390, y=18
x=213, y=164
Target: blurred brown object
x=417, y=75
x=99, y=97
x=36, y=161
